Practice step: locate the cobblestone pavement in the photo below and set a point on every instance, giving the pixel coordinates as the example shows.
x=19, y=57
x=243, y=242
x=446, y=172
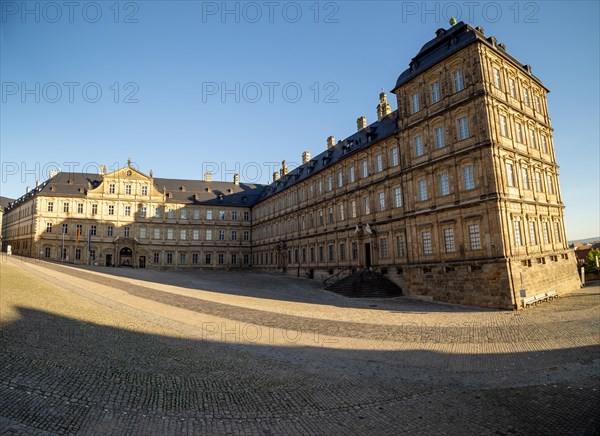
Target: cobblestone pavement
x=121, y=351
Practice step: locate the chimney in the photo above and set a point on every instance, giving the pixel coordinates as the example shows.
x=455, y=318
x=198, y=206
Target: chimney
x=305, y=156
x=330, y=141
x=284, y=169
x=275, y=176
x=361, y=123
x=102, y=170
x=53, y=173
x=26, y=189
x=383, y=108
x=208, y=177
x=236, y=179
x=37, y=183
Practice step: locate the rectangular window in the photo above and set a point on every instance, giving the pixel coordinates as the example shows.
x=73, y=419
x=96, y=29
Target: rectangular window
x=144, y=190
x=378, y=163
x=414, y=103
x=111, y=209
x=474, y=237
x=435, y=92
x=397, y=197
x=422, y=190
x=330, y=253
x=47, y=252
x=246, y=259
x=169, y=258
x=93, y=230
x=546, y=232
x=517, y=228
x=513, y=88
x=143, y=211
x=156, y=233
x=557, y=236
x=78, y=254
x=246, y=216
x=440, y=137
x=463, y=128
x=419, y=146
x=234, y=215
x=351, y=174
x=195, y=234
x=182, y=234
x=171, y=213
x=128, y=189
x=544, y=144
x=182, y=259
x=538, y=182
x=395, y=157
x=510, y=174
x=157, y=212
x=366, y=205
x=111, y=188
x=50, y=206
x=449, y=244
x=94, y=209
x=342, y=254
x=220, y=259
x=525, y=177
x=234, y=235
x=142, y=232
x=65, y=228
x=444, y=184
x=504, y=126
x=383, y=249
x=532, y=142
x=321, y=254
x=426, y=239
x=209, y=235
x=156, y=257
x=246, y=235
x=329, y=182
x=355, y=251
x=526, y=97
x=538, y=105
x=126, y=232
x=109, y=230
x=196, y=214
x=341, y=212
x=382, y=201
x=497, y=79
x=209, y=215
x=79, y=230
x=469, y=177
x=532, y=233
x=92, y=254
x=340, y=179
x=221, y=215
x=183, y=214
x=458, y=81
x=319, y=187
x=207, y=258
x=127, y=210
x=234, y=259
x=353, y=208
x=170, y=234
x=79, y=207
x=401, y=245
x=195, y=258
x=365, y=169
x=221, y=235
x=550, y=185
x=65, y=207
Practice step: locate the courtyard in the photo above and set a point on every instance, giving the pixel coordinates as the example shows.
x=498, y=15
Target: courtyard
x=95, y=350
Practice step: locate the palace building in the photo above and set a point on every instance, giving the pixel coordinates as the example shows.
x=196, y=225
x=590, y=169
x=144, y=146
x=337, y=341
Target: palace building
x=454, y=196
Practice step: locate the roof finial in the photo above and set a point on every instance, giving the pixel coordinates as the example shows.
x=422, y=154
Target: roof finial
x=128, y=161
x=452, y=21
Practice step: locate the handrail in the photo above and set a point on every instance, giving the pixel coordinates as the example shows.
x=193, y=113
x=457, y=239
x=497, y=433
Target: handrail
x=337, y=276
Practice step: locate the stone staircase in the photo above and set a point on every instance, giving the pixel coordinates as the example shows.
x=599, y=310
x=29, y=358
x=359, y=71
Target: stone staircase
x=365, y=284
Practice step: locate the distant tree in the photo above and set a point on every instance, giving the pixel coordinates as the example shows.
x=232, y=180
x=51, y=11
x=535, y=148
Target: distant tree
x=590, y=262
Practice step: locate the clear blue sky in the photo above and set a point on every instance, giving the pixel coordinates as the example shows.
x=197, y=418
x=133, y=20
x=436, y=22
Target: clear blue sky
x=168, y=72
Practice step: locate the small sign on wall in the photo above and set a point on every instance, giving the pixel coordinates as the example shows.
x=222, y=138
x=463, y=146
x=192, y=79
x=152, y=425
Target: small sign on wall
x=523, y=293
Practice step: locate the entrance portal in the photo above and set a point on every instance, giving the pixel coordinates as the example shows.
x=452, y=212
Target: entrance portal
x=142, y=262
x=109, y=260
x=367, y=255
x=125, y=257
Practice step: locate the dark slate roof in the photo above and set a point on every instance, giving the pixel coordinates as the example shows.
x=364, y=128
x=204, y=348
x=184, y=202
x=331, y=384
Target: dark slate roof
x=358, y=141
x=448, y=42
x=4, y=202
x=196, y=191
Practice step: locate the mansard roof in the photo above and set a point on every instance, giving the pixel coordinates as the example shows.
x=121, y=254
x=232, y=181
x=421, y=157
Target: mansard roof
x=76, y=185
x=360, y=140
x=450, y=41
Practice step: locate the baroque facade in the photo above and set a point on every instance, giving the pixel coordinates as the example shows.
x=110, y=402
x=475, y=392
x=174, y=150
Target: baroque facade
x=454, y=196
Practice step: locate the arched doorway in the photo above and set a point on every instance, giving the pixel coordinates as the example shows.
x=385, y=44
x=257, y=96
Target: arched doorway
x=126, y=257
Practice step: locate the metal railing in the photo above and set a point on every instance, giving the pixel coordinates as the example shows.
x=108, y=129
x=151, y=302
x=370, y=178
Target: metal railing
x=338, y=276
